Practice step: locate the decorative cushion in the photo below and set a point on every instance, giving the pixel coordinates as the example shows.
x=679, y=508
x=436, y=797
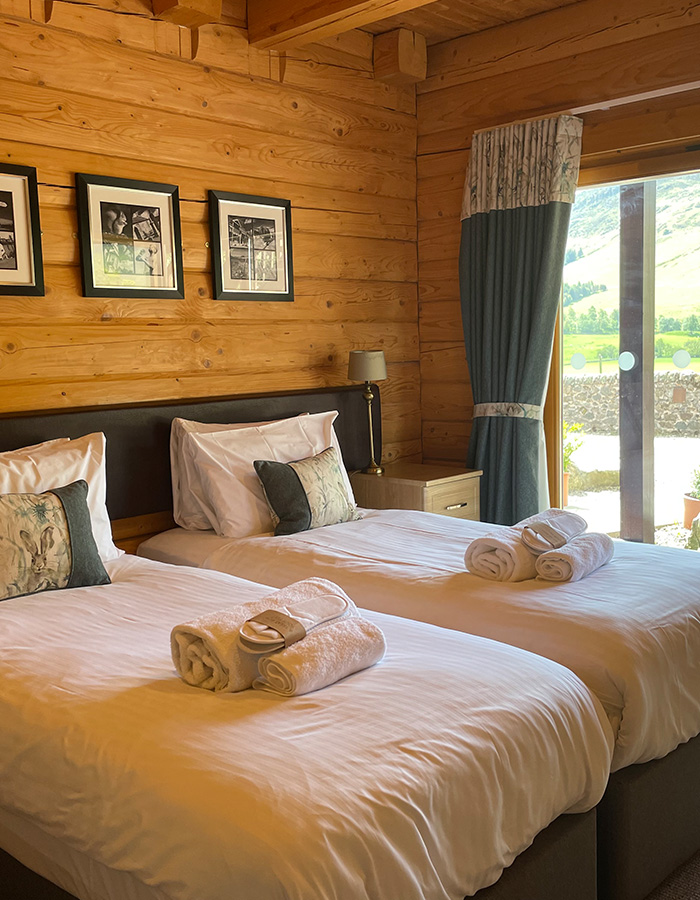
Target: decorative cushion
x=306, y=494
x=46, y=542
x=56, y=463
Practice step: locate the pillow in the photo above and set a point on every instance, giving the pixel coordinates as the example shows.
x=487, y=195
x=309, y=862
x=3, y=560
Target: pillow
x=46, y=542
x=57, y=463
x=190, y=507
x=236, y=505
x=309, y=493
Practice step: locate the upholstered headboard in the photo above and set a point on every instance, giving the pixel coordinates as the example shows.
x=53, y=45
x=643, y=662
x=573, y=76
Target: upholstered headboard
x=138, y=437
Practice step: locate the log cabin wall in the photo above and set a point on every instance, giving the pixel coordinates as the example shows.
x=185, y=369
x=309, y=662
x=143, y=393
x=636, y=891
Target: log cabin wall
x=102, y=87
x=596, y=58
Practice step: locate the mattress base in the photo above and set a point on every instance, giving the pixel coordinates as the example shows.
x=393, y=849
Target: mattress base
x=560, y=862
x=648, y=823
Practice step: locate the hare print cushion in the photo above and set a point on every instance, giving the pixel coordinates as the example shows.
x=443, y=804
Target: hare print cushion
x=46, y=542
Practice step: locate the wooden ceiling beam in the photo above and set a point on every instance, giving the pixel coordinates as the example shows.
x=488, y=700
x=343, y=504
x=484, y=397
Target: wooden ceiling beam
x=279, y=24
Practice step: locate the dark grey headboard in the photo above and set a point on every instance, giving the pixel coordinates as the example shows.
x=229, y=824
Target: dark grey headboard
x=138, y=437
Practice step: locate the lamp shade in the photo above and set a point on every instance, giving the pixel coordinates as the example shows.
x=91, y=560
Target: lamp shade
x=367, y=365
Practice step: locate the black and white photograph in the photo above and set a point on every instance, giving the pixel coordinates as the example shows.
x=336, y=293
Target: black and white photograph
x=21, y=267
x=251, y=247
x=8, y=242
x=129, y=238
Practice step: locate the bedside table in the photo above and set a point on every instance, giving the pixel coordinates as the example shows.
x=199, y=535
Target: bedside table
x=445, y=490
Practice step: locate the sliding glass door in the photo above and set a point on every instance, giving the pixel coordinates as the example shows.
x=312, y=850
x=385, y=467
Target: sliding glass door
x=631, y=373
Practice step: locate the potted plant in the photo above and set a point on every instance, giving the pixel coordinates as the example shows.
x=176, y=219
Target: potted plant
x=569, y=445
x=691, y=500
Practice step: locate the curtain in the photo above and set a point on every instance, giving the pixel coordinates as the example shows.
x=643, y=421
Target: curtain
x=518, y=194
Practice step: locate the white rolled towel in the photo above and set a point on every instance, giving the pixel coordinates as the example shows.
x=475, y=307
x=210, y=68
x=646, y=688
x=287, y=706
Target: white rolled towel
x=208, y=652
x=551, y=530
x=502, y=555
x=322, y=658
x=577, y=559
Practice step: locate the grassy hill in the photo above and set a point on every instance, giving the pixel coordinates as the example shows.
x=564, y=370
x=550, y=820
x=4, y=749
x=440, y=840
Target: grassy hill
x=594, y=229
x=593, y=251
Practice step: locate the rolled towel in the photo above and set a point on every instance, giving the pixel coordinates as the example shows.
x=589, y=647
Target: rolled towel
x=501, y=556
x=208, y=653
x=551, y=530
x=581, y=556
x=322, y=658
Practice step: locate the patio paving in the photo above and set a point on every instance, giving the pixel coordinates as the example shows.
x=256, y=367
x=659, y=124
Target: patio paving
x=674, y=461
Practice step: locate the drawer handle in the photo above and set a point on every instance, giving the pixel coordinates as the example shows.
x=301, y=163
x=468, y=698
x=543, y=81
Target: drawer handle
x=457, y=506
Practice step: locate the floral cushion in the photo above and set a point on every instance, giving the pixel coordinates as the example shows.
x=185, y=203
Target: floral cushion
x=46, y=542
x=306, y=494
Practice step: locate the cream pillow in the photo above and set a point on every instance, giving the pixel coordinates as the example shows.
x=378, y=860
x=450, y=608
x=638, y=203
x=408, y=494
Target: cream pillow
x=58, y=463
x=224, y=464
x=191, y=508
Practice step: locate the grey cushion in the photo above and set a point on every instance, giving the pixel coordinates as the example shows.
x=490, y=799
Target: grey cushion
x=306, y=494
x=46, y=542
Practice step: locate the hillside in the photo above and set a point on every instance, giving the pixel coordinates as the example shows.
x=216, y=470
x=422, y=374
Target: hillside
x=594, y=232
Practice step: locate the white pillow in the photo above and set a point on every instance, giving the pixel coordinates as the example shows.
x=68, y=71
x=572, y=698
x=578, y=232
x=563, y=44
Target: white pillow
x=191, y=508
x=235, y=501
x=58, y=463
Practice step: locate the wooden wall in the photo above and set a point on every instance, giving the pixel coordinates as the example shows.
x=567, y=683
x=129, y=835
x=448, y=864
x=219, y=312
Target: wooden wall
x=596, y=58
x=99, y=86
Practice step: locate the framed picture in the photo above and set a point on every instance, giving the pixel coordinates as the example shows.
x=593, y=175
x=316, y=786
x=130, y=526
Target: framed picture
x=130, y=240
x=251, y=247
x=21, y=261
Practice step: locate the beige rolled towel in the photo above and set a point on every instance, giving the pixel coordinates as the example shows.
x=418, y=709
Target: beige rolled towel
x=322, y=658
x=208, y=653
x=577, y=559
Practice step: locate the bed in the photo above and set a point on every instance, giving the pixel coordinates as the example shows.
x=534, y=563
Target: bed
x=648, y=822
x=117, y=780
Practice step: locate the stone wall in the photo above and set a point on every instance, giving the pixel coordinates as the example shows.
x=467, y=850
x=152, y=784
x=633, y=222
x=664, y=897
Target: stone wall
x=593, y=401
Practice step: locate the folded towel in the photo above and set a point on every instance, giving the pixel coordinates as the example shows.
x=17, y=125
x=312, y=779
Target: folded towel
x=322, y=658
x=502, y=556
x=575, y=560
x=551, y=530
x=207, y=652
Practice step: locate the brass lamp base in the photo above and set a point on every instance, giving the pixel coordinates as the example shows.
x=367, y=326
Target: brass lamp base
x=374, y=470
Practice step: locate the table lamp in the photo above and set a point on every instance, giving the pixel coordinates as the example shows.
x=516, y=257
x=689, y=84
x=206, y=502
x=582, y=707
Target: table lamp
x=368, y=366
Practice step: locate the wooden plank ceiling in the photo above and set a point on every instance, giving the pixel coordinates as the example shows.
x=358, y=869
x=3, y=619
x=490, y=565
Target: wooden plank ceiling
x=443, y=20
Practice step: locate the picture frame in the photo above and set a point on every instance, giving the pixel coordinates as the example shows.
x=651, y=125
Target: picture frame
x=130, y=237
x=251, y=247
x=21, y=257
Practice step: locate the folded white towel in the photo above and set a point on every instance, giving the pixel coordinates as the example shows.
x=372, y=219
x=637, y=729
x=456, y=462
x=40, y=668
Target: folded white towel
x=502, y=556
x=578, y=558
x=552, y=529
x=207, y=652
x=322, y=658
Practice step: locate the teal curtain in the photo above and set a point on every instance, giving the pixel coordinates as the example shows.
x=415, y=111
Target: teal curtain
x=518, y=195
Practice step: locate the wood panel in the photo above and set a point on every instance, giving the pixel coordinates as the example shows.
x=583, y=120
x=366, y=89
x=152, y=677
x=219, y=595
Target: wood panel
x=102, y=87
x=589, y=55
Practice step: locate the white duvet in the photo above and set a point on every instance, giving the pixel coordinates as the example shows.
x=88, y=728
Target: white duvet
x=418, y=779
x=630, y=631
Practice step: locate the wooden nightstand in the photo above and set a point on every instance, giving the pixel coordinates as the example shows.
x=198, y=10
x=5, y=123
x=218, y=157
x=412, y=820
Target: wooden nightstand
x=438, y=489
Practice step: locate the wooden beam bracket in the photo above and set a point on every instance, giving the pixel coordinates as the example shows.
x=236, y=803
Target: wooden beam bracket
x=190, y=13
x=400, y=57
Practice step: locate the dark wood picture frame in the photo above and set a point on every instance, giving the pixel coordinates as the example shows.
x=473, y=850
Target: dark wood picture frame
x=244, y=210
x=125, y=243
x=35, y=287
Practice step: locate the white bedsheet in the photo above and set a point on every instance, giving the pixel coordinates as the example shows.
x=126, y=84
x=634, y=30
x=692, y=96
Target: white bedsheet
x=419, y=778
x=630, y=631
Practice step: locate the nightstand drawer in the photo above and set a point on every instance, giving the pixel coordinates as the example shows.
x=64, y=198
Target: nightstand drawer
x=458, y=499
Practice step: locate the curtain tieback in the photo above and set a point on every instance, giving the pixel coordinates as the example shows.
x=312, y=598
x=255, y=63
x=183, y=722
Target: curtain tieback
x=509, y=410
